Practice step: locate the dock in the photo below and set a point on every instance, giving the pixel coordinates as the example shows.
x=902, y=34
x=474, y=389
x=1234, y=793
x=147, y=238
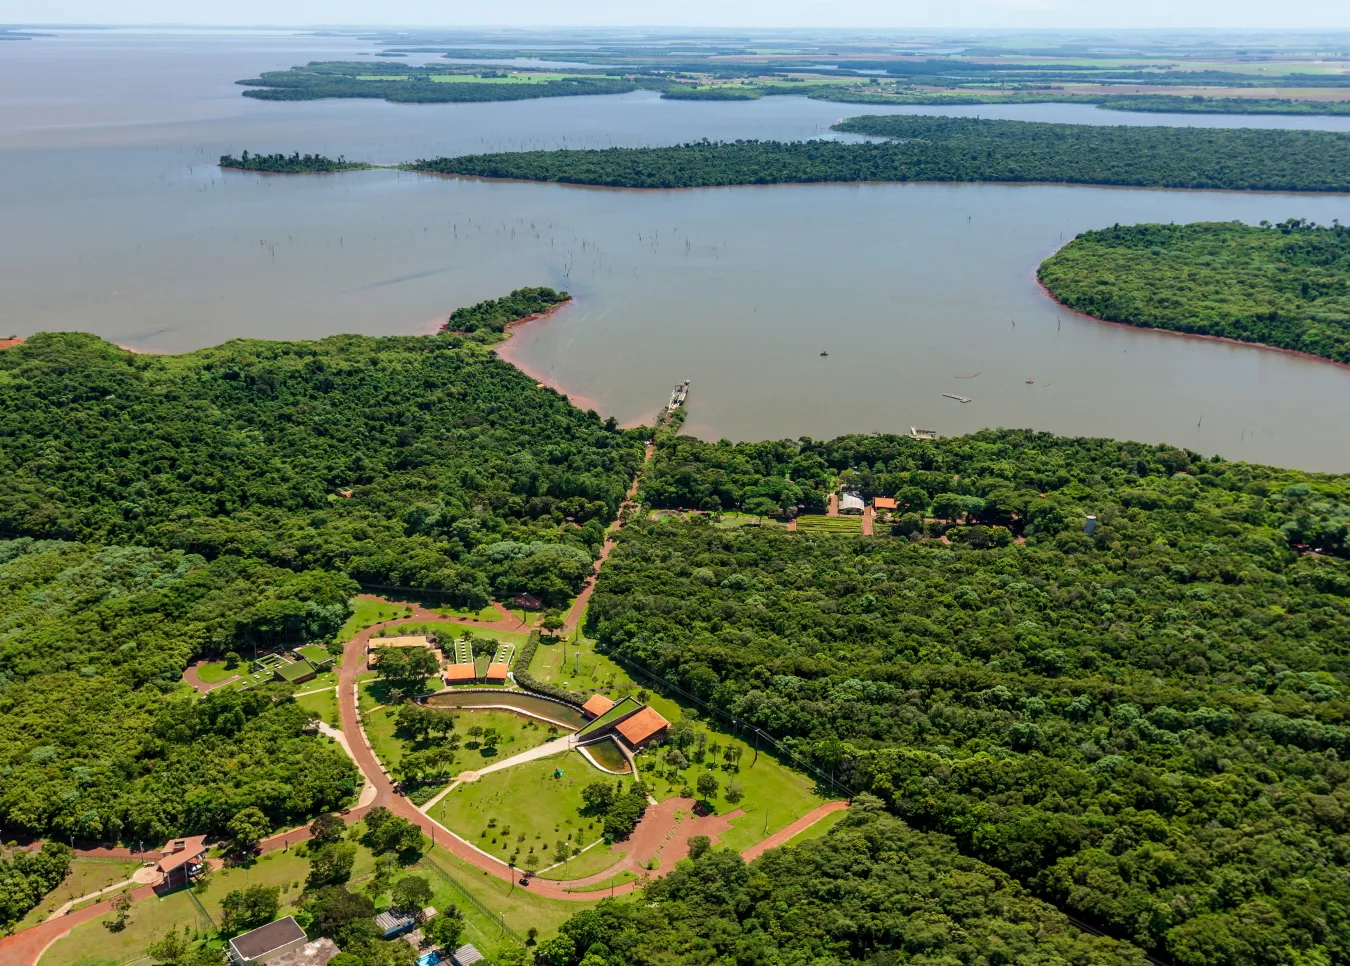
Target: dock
x=961, y=399
x=918, y=432
x=680, y=394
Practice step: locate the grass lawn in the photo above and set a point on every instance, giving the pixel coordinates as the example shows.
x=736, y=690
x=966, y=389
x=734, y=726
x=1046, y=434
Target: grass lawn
x=517, y=905
x=367, y=612
x=214, y=671
x=525, y=801
x=488, y=613
x=819, y=829
x=614, y=880
x=86, y=875
x=593, y=860
x=774, y=795
x=576, y=664
x=372, y=691
x=517, y=733
x=322, y=705
x=328, y=679
x=90, y=944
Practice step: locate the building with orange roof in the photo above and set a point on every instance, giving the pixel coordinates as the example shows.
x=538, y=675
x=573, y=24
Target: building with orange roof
x=181, y=860
x=596, y=705
x=642, y=728
x=496, y=673
x=884, y=503
x=460, y=674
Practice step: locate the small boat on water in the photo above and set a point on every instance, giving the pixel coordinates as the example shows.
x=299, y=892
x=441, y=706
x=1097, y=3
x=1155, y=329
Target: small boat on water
x=961, y=399
x=1031, y=382
x=823, y=354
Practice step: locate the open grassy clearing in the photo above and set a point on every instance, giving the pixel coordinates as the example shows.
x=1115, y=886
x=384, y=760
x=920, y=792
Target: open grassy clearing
x=86, y=875
x=611, y=882
x=90, y=944
x=212, y=672
x=516, y=734
x=488, y=613
x=593, y=860
x=367, y=612
x=576, y=664
x=372, y=691
x=818, y=830
x=517, y=906
x=323, y=706
x=524, y=810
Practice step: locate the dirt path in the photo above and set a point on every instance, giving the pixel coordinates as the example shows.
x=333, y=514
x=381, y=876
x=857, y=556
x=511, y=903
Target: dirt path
x=796, y=828
x=190, y=677
x=869, y=514
x=832, y=508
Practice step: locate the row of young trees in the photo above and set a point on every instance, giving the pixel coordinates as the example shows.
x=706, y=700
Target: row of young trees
x=288, y=163
x=1146, y=725
x=953, y=149
x=1285, y=285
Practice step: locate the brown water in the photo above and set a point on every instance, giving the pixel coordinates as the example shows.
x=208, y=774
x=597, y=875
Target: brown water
x=117, y=223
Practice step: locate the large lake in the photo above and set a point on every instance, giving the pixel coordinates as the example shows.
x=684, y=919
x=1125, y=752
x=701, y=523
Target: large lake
x=117, y=223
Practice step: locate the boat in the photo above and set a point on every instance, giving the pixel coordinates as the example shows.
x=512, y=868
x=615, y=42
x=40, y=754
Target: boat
x=919, y=433
x=824, y=354
x=961, y=399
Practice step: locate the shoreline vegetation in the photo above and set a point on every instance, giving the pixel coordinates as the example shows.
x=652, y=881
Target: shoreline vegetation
x=494, y=318
x=1284, y=286
x=295, y=163
x=915, y=82
x=943, y=149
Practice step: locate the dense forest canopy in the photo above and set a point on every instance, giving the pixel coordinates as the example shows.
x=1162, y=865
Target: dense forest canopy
x=404, y=84
x=462, y=474
x=493, y=316
x=93, y=641
x=1285, y=285
x=954, y=149
x=872, y=891
x=296, y=163
x=1146, y=725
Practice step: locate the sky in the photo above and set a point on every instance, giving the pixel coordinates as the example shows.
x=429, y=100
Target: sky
x=1225, y=14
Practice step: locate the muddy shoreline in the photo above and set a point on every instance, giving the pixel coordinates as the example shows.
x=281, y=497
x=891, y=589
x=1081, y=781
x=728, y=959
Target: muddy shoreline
x=1185, y=335
x=508, y=351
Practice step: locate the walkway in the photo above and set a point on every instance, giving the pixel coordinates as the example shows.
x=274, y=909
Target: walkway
x=784, y=835
x=557, y=746
x=869, y=515
x=190, y=677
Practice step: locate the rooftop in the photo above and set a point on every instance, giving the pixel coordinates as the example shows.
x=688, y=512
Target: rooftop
x=639, y=727
x=181, y=852
x=387, y=922
x=457, y=673
x=850, y=501
x=263, y=940
x=884, y=503
x=316, y=953
x=466, y=955
x=496, y=672
x=596, y=705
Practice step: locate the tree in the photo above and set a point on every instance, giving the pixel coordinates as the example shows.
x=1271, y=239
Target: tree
x=531, y=863
x=394, y=834
x=331, y=863
x=698, y=845
x=707, y=786
x=176, y=949
x=248, y=908
x=676, y=759
x=405, y=663
x=553, y=622
x=734, y=791
x=326, y=829
x=121, y=905
x=445, y=928
x=334, y=911
x=598, y=797
x=247, y=828
x=411, y=893
x=683, y=734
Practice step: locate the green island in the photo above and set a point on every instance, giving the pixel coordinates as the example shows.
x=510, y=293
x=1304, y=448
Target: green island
x=1284, y=285
x=492, y=317
x=434, y=84
x=953, y=149
x=296, y=163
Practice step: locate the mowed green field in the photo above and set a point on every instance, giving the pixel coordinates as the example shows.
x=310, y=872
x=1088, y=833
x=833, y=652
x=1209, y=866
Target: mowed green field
x=819, y=523
x=534, y=811
x=86, y=875
x=517, y=733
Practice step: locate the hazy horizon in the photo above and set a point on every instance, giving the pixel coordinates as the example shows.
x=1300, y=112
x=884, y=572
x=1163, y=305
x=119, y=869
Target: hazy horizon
x=1219, y=15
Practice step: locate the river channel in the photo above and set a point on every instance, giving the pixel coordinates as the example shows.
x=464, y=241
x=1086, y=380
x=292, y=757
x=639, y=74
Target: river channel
x=118, y=223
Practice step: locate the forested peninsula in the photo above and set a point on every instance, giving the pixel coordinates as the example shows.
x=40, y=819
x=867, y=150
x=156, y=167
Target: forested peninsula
x=1145, y=724
x=492, y=317
x=953, y=149
x=296, y=163
x=1285, y=285
x=402, y=84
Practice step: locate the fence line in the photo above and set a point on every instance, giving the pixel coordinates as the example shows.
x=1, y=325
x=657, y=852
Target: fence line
x=203, y=915
x=428, y=863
